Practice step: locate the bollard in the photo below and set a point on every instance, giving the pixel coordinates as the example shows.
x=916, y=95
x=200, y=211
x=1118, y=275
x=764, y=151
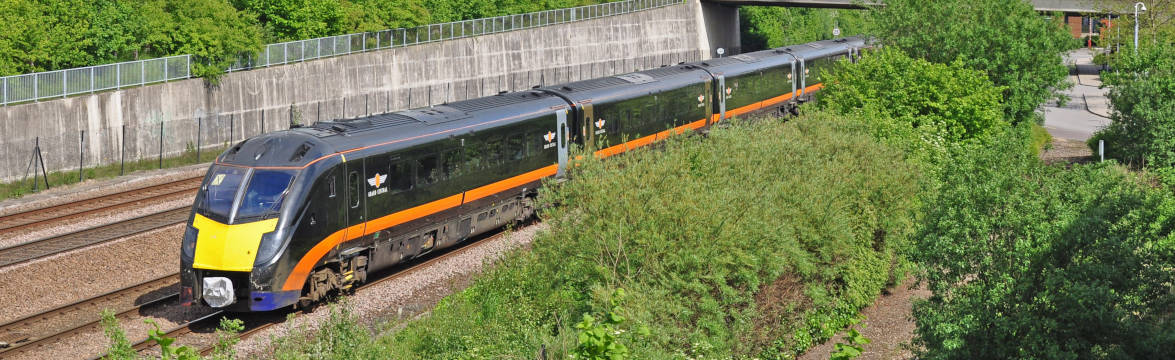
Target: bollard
x=1101, y=149
x=122, y=153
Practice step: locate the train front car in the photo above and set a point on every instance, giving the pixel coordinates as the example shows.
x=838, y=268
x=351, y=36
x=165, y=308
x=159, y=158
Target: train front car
x=243, y=219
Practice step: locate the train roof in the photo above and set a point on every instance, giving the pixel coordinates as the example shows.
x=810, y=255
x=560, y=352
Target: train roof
x=299, y=146
x=630, y=85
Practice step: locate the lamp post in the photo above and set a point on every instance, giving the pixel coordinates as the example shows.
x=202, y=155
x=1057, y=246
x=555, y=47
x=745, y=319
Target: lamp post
x=1136, y=9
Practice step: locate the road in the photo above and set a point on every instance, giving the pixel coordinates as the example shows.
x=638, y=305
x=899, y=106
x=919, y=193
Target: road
x=1088, y=108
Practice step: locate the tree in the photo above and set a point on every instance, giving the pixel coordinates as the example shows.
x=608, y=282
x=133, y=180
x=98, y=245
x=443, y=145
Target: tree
x=213, y=32
x=1016, y=47
x=1027, y=261
x=1142, y=96
x=296, y=19
x=766, y=27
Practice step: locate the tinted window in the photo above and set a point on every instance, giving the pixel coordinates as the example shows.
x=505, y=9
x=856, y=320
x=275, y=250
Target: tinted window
x=263, y=197
x=451, y=163
x=399, y=178
x=221, y=190
x=427, y=171
x=515, y=150
x=353, y=188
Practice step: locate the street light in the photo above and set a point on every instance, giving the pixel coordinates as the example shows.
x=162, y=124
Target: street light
x=1136, y=9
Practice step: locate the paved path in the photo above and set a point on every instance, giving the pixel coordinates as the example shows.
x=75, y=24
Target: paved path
x=1088, y=108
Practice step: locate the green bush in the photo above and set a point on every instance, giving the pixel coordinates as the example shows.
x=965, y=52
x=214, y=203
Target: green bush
x=1142, y=95
x=761, y=239
x=1008, y=40
x=1028, y=261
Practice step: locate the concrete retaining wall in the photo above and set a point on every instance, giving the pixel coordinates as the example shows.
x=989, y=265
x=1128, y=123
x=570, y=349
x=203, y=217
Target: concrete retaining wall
x=247, y=103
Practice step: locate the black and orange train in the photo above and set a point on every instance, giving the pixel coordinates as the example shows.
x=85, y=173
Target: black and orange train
x=288, y=217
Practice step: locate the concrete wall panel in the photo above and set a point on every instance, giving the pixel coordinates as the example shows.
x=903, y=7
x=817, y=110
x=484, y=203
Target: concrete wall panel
x=249, y=103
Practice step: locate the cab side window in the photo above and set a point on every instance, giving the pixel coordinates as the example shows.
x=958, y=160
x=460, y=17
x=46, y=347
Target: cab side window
x=353, y=189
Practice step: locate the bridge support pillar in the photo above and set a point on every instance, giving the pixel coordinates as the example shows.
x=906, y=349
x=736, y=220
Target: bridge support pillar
x=721, y=25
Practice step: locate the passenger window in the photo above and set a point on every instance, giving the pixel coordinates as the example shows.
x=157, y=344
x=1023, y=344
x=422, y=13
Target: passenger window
x=353, y=189
x=452, y=164
x=399, y=178
x=473, y=156
x=427, y=171
x=515, y=150
x=494, y=152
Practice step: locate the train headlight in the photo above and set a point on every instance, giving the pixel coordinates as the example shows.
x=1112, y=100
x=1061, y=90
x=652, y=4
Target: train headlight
x=188, y=244
x=270, y=244
x=218, y=292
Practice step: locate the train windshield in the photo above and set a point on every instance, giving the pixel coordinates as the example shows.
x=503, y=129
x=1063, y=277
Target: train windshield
x=221, y=191
x=263, y=198
x=253, y=194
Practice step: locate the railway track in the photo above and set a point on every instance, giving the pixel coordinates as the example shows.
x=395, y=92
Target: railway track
x=256, y=323
x=30, y=334
x=48, y=216
x=45, y=247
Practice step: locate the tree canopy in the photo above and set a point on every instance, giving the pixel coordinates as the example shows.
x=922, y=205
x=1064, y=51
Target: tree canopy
x=1015, y=46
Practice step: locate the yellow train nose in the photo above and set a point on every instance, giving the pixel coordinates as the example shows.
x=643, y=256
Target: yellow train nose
x=228, y=247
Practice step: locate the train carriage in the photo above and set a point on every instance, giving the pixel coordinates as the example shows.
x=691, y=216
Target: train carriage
x=289, y=217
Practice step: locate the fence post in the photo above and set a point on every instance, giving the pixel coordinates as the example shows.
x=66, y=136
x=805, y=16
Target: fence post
x=165, y=60
x=64, y=83
x=161, y=144
x=199, y=133
x=92, y=78
x=189, y=67
x=122, y=152
x=117, y=76
x=81, y=156
x=142, y=72
x=5, y=91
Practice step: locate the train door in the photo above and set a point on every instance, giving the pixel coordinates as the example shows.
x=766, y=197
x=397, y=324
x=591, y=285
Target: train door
x=722, y=94
x=562, y=135
x=356, y=198
x=803, y=75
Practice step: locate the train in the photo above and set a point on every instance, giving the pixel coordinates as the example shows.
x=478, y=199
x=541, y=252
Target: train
x=291, y=217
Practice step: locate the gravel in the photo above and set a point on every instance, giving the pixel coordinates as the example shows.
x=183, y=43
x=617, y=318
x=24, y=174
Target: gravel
x=95, y=188
x=403, y=297
x=61, y=279
x=95, y=220
x=888, y=323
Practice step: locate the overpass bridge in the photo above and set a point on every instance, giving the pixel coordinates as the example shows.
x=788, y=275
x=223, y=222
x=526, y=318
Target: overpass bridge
x=1065, y=6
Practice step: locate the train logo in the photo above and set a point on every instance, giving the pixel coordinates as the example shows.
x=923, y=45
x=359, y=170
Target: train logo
x=600, y=126
x=728, y=90
x=702, y=100
x=377, y=181
x=550, y=138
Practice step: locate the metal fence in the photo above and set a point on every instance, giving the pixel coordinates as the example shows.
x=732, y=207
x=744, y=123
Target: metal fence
x=63, y=83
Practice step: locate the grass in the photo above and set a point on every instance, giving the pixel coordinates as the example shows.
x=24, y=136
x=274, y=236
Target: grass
x=24, y=187
x=760, y=240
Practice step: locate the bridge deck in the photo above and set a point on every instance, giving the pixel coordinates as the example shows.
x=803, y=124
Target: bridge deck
x=1066, y=6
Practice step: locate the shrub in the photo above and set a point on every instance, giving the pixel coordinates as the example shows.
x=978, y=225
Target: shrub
x=1007, y=40
x=760, y=239
x=1030, y=261
x=1142, y=94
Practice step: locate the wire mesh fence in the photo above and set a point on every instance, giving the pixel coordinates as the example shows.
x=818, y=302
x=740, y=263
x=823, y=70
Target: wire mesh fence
x=62, y=83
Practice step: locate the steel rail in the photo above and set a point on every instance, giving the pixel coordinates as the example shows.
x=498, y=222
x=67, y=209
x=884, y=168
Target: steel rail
x=35, y=342
x=37, y=249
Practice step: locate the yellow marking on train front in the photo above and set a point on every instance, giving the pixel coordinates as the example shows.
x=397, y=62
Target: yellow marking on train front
x=228, y=247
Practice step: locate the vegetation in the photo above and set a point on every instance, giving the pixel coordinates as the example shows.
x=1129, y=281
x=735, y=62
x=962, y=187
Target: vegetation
x=42, y=35
x=1142, y=93
x=1018, y=49
x=761, y=254
x=17, y=189
x=1031, y=261
x=121, y=348
x=765, y=27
